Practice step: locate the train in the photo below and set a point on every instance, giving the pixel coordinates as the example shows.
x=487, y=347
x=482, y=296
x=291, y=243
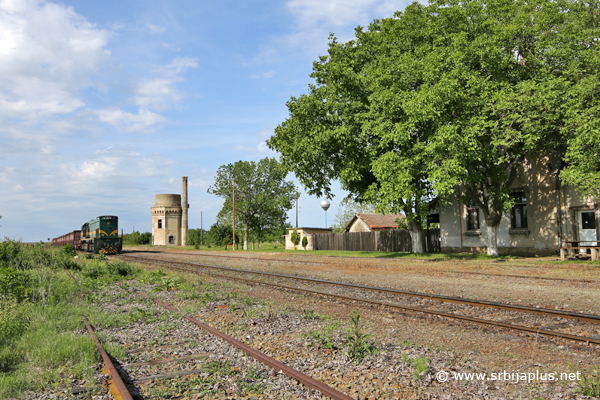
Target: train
x=100, y=235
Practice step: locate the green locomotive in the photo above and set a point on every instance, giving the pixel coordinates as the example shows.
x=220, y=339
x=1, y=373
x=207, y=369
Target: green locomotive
x=101, y=235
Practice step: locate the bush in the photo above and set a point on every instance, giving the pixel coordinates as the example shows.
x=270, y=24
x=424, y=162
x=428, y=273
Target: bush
x=137, y=238
x=12, y=320
x=295, y=237
x=68, y=250
x=119, y=268
x=304, y=242
x=9, y=250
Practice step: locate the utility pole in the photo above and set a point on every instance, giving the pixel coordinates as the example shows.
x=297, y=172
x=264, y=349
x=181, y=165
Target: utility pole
x=296, y=213
x=201, y=230
x=233, y=180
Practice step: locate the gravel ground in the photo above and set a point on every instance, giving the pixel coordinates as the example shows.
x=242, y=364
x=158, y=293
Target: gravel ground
x=410, y=351
x=450, y=345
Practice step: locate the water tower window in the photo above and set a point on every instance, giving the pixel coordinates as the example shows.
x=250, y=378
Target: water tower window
x=171, y=240
x=160, y=224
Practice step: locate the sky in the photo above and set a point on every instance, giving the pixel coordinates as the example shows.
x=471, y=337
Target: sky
x=104, y=104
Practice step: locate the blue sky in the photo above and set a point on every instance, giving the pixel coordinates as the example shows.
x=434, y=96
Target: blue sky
x=105, y=104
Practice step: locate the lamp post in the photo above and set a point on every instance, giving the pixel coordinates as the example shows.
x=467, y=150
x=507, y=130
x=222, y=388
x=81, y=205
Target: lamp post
x=233, y=187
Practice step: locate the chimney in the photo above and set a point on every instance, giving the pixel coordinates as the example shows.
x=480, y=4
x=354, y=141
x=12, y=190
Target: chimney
x=184, y=214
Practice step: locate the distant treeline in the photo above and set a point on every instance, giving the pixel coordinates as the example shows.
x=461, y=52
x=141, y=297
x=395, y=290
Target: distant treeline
x=218, y=235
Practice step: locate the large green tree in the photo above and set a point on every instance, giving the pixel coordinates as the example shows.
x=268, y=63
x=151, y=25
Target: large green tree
x=449, y=100
x=262, y=195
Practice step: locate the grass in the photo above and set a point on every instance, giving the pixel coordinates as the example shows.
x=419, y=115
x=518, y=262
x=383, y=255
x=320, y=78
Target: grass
x=43, y=293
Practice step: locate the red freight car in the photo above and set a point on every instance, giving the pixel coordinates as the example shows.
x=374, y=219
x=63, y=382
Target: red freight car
x=72, y=237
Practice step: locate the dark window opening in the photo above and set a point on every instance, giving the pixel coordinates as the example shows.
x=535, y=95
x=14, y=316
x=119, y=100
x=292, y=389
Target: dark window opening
x=519, y=211
x=588, y=220
x=171, y=240
x=160, y=224
x=472, y=217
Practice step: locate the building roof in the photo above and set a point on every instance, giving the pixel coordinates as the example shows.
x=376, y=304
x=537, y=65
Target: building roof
x=377, y=221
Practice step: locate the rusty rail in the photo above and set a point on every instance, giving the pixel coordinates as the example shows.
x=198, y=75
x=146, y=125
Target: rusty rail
x=265, y=359
x=118, y=388
x=457, y=300
x=536, y=331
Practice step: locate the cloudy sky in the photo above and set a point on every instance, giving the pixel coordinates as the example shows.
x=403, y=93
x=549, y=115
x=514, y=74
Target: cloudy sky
x=104, y=104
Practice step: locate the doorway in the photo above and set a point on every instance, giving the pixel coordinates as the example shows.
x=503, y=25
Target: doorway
x=587, y=228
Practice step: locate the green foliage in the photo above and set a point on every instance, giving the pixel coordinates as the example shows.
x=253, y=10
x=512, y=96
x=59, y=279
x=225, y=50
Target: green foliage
x=68, y=250
x=137, y=238
x=221, y=234
x=13, y=320
x=304, y=242
x=590, y=385
x=262, y=196
x=42, y=297
x=451, y=95
x=421, y=365
x=312, y=314
x=324, y=336
x=119, y=268
x=295, y=237
x=9, y=250
x=196, y=237
x=358, y=344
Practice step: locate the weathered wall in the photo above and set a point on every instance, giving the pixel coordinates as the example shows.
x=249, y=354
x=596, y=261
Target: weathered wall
x=552, y=212
x=167, y=208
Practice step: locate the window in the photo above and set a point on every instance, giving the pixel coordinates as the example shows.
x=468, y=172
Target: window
x=160, y=224
x=519, y=211
x=472, y=217
x=171, y=240
x=588, y=220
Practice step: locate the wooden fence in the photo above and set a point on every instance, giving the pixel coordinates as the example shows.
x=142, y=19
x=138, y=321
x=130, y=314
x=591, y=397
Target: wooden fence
x=395, y=240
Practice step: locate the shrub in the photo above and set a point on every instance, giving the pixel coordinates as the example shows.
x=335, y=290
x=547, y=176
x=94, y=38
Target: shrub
x=119, y=268
x=304, y=242
x=295, y=238
x=358, y=344
x=9, y=249
x=68, y=250
x=12, y=320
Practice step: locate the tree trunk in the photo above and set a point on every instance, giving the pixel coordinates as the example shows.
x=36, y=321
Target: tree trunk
x=492, y=239
x=416, y=235
x=493, y=221
x=246, y=237
x=259, y=244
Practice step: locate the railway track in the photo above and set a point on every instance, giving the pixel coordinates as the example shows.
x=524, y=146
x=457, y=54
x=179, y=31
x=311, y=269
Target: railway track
x=121, y=392
x=302, y=261
x=509, y=310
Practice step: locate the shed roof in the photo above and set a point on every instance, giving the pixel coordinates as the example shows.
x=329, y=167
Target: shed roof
x=377, y=221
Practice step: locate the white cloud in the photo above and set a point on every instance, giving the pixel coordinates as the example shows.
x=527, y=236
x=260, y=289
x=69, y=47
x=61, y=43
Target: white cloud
x=262, y=147
x=159, y=94
x=341, y=13
x=47, y=53
x=143, y=121
x=267, y=75
x=155, y=28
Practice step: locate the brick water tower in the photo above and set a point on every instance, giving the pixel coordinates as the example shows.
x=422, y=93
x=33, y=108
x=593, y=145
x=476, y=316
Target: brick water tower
x=170, y=218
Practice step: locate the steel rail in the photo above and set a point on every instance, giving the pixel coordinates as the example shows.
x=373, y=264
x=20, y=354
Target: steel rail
x=457, y=300
x=558, y=335
x=244, y=258
x=265, y=359
x=385, y=259
x=120, y=391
